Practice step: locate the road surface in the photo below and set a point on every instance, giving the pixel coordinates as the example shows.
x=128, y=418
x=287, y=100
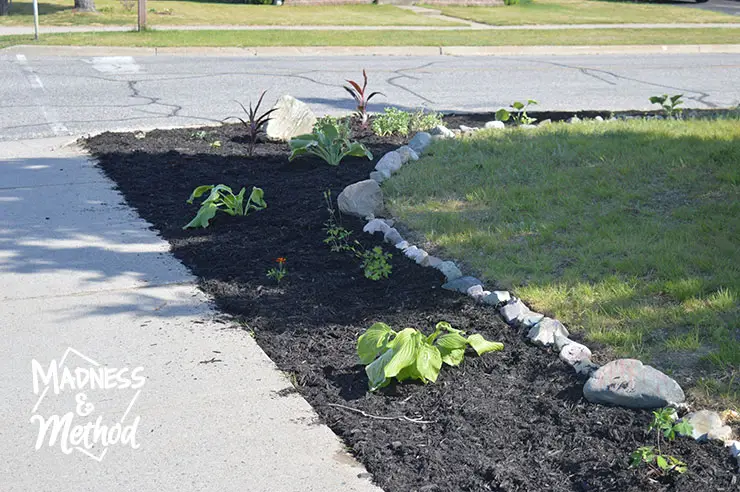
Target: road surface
x=52, y=96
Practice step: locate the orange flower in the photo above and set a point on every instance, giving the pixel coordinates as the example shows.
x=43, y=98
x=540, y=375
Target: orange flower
x=280, y=260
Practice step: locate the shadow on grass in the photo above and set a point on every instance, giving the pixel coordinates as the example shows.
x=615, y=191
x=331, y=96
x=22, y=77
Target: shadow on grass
x=26, y=8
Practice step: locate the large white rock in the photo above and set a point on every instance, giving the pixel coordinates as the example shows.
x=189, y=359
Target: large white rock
x=292, y=118
x=707, y=425
x=543, y=333
x=499, y=125
x=362, y=199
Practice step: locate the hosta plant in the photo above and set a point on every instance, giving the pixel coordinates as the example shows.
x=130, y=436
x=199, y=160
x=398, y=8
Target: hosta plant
x=327, y=142
x=222, y=199
x=255, y=122
x=361, y=97
x=666, y=428
x=670, y=104
x=399, y=122
x=409, y=354
x=517, y=112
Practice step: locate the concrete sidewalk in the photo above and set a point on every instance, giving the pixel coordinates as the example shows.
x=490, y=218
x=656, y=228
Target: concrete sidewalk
x=468, y=26
x=85, y=283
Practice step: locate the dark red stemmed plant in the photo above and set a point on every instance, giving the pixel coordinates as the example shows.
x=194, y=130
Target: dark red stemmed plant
x=360, y=97
x=254, y=122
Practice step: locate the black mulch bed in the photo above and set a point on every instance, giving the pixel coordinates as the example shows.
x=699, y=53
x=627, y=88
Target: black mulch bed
x=508, y=421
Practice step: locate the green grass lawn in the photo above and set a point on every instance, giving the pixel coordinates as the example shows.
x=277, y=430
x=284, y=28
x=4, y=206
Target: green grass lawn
x=385, y=38
x=171, y=12
x=584, y=12
x=629, y=232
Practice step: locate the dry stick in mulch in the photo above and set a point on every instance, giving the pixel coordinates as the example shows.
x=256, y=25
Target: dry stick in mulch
x=380, y=417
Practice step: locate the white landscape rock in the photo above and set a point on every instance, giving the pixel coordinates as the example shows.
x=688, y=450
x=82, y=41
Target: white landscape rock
x=561, y=341
x=412, y=252
x=420, y=142
x=707, y=425
x=477, y=292
x=499, y=125
x=389, y=163
x=461, y=284
x=629, y=383
x=530, y=319
x=292, y=118
x=573, y=353
x=362, y=199
x=421, y=258
x=585, y=368
x=497, y=297
x=376, y=225
x=441, y=131
x=513, y=310
x=378, y=177
x=450, y=270
x=407, y=154
x=402, y=245
x=543, y=333
x=392, y=236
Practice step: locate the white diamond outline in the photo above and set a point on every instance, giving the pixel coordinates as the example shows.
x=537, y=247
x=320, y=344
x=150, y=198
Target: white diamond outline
x=96, y=364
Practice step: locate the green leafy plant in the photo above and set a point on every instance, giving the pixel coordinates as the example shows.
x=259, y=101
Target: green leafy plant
x=255, y=122
x=277, y=274
x=327, y=143
x=670, y=104
x=215, y=144
x=394, y=121
x=359, y=94
x=341, y=125
x=409, y=354
x=222, y=199
x=199, y=135
x=391, y=121
x=665, y=426
x=517, y=112
x=422, y=120
x=375, y=262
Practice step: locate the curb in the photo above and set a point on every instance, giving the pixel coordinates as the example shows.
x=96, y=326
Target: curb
x=300, y=51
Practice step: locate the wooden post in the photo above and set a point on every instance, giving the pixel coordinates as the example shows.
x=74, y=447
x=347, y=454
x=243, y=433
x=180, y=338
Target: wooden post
x=36, y=20
x=142, y=15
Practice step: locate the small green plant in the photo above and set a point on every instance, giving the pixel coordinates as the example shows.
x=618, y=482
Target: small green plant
x=517, y=112
x=222, y=198
x=665, y=426
x=215, y=144
x=375, y=262
x=340, y=124
x=255, y=122
x=327, y=143
x=359, y=94
x=394, y=121
x=409, y=354
x=199, y=135
x=670, y=104
x=421, y=120
x=277, y=274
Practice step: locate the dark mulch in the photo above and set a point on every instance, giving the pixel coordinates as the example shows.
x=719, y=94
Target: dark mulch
x=513, y=420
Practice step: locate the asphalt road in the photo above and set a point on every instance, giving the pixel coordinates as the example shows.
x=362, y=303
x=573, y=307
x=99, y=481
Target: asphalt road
x=46, y=96
x=724, y=6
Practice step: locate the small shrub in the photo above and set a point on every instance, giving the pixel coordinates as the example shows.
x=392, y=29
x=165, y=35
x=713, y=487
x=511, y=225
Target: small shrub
x=670, y=104
x=277, y=274
x=665, y=426
x=394, y=121
x=341, y=125
x=517, y=112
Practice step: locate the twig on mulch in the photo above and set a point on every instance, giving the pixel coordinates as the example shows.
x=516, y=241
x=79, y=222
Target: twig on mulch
x=379, y=417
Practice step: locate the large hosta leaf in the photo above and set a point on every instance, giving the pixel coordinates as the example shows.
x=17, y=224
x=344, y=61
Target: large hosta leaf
x=405, y=347
x=372, y=342
x=483, y=346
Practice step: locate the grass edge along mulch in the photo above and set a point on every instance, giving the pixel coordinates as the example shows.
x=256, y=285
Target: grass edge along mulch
x=540, y=213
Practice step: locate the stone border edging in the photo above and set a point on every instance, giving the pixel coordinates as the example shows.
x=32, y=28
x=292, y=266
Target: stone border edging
x=614, y=383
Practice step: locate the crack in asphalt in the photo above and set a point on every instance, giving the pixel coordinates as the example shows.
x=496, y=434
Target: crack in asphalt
x=136, y=93
x=596, y=73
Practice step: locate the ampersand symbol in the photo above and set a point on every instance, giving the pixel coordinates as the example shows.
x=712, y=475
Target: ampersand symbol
x=83, y=407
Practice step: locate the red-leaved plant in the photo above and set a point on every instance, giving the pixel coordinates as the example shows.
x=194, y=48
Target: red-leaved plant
x=254, y=122
x=361, y=99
